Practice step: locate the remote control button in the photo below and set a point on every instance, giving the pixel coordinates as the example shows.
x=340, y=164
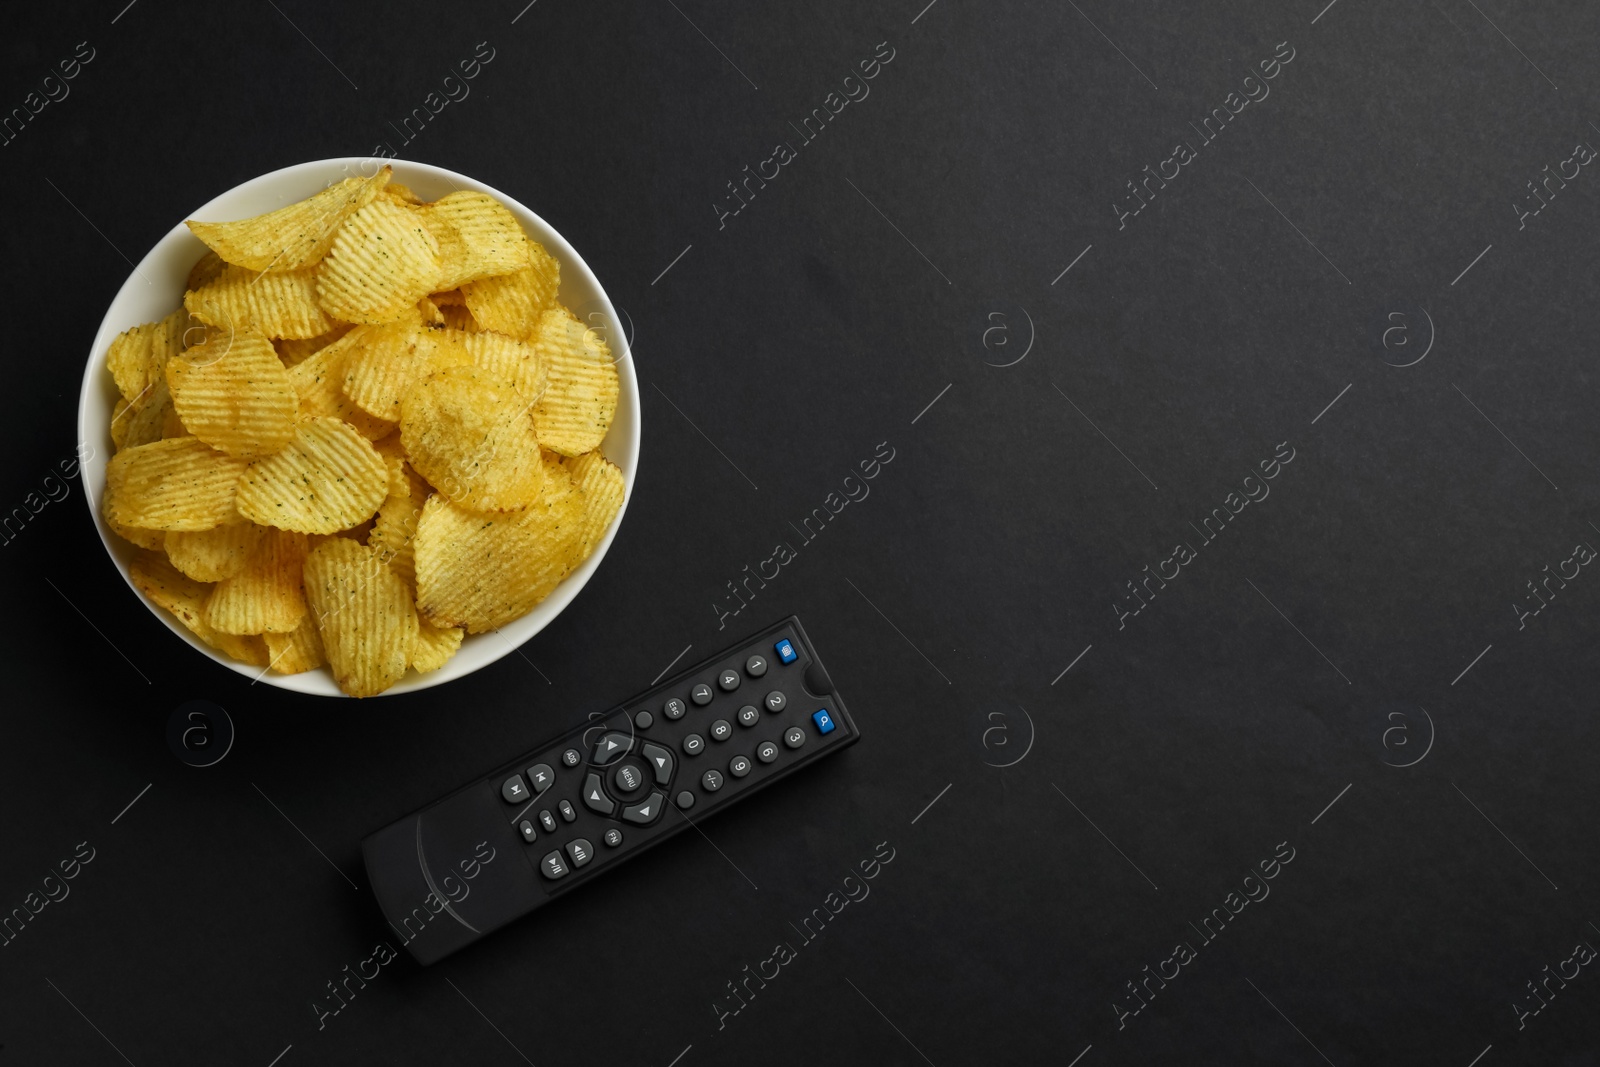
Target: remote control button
x=567, y=814
x=646, y=813
x=594, y=798
x=720, y=730
x=694, y=744
x=728, y=681
x=755, y=666
x=612, y=746
x=515, y=790
x=794, y=737
x=580, y=851
x=553, y=866
x=613, y=837
x=644, y=720
x=660, y=761
x=701, y=694
x=749, y=716
x=739, y=766
x=547, y=821
x=824, y=722
x=785, y=650
x=776, y=701
x=528, y=833
x=628, y=777
x=571, y=757
x=766, y=751
x=541, y=777
x=685, y=799
x=674, y=708
x=711, y=781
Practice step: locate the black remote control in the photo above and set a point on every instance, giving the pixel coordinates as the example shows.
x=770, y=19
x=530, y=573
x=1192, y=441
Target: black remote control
x=578, y=805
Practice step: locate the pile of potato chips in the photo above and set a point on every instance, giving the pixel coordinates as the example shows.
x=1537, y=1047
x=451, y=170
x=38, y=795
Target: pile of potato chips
x=370, y=430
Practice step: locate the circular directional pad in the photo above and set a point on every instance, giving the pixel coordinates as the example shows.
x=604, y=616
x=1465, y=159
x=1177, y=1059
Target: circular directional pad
x=628, y=778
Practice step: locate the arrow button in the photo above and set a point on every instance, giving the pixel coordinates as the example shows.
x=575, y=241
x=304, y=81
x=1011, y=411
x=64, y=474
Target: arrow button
x=612, y=747
x=594, y=797
x=661, y=762
x=646, y=813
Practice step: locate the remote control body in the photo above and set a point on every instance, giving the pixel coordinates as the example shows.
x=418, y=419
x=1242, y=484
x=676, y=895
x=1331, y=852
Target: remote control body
x=542, y=825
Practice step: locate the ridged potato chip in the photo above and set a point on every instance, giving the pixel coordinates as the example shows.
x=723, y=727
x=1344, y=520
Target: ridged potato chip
x=401, y=194
x=510, y=360
x=206, y=269
x=434, y=646
x=298, y=651
x=457, y=317
x=152, y=539
x=513, y=303
x=478, y=238
x=214, y=554
x=395, y=526
x=296, y=351
x=364, y=613
x=601, y=484
x=293, y=237
x=265, y=596
x=448, y=298
x=326, y=479
x=319, y=382
x=379, y=373
x=119, y=423
x=580, y=398
x=468, y=433
x=137, y=358
x=149, y=421
x=276, y=303
x=234, y=394
x=383, y=261
x=177, y=484
x=185, y=598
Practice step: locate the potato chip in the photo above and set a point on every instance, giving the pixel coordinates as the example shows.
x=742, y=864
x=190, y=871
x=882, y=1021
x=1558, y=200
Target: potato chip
x=513, y=303
x=180, y=484
x=470, y=436
x=206, y=269
x=509, y=360
x=396, y=524
x=214, y=554
x=478, y=238
x=364, y=613
x=265, y=596
x=119, y=423
x=326, y=479
x=434, y=646
x=383, y=261
x=234, y=394
x=459, y=318
x=293, y=237
x=401, y=194
x=153, y=539
x=431, y=315
x=399, y=355
x=448, y=298
x=137, y=358
x=601, y=484
x=319, y=382
x=480, y=571
x=298, y=651
x=185, y=598
x=277, y=303
x=297, y=350
x=145, y=423
x=580, y=399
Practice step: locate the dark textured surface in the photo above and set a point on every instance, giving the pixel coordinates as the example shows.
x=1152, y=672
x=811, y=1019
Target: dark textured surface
x=1318, y=643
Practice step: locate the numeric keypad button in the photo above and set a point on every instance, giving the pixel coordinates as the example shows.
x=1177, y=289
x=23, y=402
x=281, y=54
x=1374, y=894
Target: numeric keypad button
x=776, y=701
x=749, y=716
x=701, y=694
x=767, y=751
x=721, y=730
x=739, y=766
x=755, y=666
x=711, y=781
x=694, y=744
x=794, y=737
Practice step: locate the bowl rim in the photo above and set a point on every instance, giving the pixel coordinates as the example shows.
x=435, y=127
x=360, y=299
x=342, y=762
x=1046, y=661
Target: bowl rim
x=298, y=181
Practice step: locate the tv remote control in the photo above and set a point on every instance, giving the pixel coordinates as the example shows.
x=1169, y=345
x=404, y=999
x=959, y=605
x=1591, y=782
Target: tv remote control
x=544, y=824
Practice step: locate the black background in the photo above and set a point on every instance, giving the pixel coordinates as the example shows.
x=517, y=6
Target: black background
x=1178, y=750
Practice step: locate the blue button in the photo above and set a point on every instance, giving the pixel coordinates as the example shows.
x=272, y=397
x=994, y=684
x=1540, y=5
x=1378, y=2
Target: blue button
x=824, y=722
x=786, y=651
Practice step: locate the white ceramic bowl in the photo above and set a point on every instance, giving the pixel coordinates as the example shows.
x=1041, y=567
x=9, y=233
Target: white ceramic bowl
x=156, y=288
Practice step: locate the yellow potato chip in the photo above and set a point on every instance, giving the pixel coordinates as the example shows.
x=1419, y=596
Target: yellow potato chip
x=147, y=422
x=364, y=613
x=153, y=539
x=513, y=303
x=298, y=651
x=459, y=318
x=206, y=269
x=293, y=237
x=178, y=484
x=448, y=298
x=319, y=382
x=480, y=571
x=396, y=524
x=214, y=554
x=277, y=303
x=265, y=596
x=119, y=424
x=296, y=351
x=328, y=478
x=401, y=194
x=601, y=484
x=383, y=261
x=399, y=355
x=434, y=646
x=478, y=238
x=510, y=360
x=469, y=435
x=431, y=315
x=234, y=395
x=185, y=598
x=580, y=398
x=137, y=358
